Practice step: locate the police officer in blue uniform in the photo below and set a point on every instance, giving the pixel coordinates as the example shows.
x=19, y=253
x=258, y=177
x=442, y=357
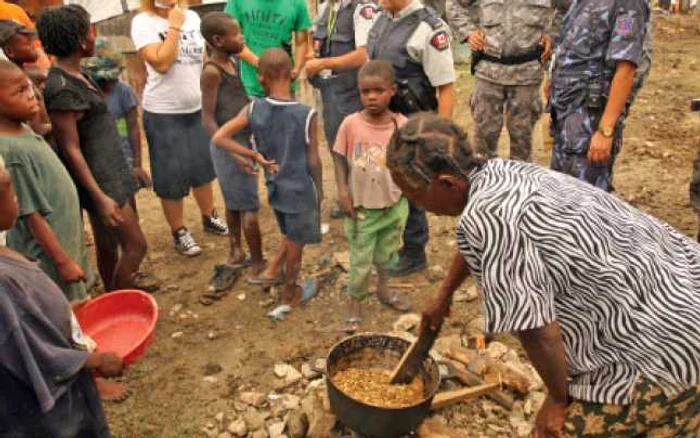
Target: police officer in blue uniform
x=339, y=41
x=417, y=42
x=602, y=43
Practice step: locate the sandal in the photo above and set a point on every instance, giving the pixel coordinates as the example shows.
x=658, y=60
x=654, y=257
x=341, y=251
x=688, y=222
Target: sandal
x=224, y=277
x=395, y=303
x=245, y=263
x=262, y=281
x=145, y=282
x=352, y=325
x=208, y=298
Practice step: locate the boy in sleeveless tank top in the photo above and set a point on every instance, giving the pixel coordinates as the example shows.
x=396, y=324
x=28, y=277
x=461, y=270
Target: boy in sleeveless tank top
x=286, y=145
x=223, y=97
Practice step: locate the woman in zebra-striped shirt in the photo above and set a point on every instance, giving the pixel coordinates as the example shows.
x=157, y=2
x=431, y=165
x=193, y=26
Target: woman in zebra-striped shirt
x=604, y=298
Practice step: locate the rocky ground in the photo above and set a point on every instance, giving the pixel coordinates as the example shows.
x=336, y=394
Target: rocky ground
x=228, y=370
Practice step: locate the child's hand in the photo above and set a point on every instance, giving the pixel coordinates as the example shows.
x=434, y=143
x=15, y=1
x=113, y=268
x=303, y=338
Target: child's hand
x=345, y=201
x=109, y=212
x=270, y=165
x=110, y=365
x=142, y=178
x=71, y=272
x=247, y=164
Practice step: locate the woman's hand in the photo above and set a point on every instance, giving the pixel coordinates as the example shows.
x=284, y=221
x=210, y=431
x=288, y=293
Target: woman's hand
x=176, y=18
x=110, y=213
x=550, y=419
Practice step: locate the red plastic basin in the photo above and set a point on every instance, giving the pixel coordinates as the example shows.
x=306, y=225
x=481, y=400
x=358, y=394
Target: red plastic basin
x=122, y=322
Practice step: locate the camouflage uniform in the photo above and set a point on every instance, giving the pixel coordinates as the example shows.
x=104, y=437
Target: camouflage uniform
x=596, y=34
x=439, y=6
x=512, y=28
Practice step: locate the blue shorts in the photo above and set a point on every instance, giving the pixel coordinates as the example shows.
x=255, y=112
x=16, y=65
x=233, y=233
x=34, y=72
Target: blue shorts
x=302, y=228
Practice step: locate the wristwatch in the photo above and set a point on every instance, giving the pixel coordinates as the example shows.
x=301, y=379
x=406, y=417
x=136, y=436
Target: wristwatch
x=607, y=131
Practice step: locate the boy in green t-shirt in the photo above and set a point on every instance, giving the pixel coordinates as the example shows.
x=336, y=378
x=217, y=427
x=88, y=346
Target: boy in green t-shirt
x=267, y=24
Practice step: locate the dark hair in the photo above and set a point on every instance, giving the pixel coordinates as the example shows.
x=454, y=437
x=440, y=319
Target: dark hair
x=216, y=23
x=378, y=68
x=428, y=145
x=275, y=63
x=62, y=29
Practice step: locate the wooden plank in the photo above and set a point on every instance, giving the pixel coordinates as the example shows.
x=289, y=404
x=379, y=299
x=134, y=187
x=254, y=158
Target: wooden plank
x=470, y=379
x=449, y=398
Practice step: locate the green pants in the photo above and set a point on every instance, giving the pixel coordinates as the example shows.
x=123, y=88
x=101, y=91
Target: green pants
x=375, y=239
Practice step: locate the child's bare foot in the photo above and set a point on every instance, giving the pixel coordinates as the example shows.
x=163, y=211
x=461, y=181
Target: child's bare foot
x=291, y=296
x=354, y=320
x=393, y=300
x=267, y=277
x=111, y=391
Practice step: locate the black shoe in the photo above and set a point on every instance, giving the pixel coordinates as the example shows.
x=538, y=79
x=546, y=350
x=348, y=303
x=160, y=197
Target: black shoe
x=407, y=266
x=215, y=225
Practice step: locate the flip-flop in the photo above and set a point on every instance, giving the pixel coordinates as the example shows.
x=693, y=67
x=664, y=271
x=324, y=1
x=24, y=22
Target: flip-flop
x=279, y=312
x=245, y=263
x=260, y=281
x=395, y=303
x=352, y=325
x=224, y=277
x=308, y=290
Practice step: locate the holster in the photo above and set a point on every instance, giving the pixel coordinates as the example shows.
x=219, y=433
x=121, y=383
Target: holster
x=411, y=98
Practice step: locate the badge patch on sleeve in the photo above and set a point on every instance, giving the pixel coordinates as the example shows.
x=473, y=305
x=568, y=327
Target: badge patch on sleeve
x=441, y=41
x=367, y=12
x=624, y=26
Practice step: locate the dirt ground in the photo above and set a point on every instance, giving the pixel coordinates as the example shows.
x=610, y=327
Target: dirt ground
x=169, y=397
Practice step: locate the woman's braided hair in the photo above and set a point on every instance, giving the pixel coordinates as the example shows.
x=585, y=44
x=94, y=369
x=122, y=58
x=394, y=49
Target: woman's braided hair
x=428, y=145
x=62, y=29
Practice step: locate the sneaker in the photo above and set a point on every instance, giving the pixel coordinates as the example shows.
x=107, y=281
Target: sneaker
x=407, y=266
x=215, y=225
x=185, y=243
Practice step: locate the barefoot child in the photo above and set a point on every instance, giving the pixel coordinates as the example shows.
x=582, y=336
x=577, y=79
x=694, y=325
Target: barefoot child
x=376, y=212
x=223, y=97
x=47, y=384
x=90, y=146
x=286, y=139
x=49, y=228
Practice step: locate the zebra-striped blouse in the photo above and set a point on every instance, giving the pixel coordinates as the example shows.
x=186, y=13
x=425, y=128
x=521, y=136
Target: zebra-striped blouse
x=624, y=286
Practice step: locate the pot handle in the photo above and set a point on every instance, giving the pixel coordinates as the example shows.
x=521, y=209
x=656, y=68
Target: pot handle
x=313, y=363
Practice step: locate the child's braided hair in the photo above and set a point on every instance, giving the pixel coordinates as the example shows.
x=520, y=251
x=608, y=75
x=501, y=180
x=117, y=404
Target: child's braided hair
x=62, y=29
x=428, y=145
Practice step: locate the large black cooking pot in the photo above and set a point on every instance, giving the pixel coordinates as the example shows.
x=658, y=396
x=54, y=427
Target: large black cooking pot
x=377, y=351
